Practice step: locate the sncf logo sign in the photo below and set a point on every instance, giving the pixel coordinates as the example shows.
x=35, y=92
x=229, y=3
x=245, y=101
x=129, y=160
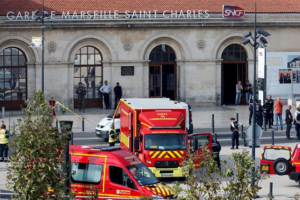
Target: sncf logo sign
x=233, y=12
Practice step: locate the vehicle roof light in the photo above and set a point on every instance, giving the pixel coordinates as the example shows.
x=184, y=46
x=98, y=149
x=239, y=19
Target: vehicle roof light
x=107, y=148
x=164, y=127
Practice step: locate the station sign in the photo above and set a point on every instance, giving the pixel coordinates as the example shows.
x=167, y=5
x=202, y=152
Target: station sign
x=233, y=12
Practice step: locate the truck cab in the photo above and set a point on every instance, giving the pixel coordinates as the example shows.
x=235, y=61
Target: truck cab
x=281, y=160
x=112, y=173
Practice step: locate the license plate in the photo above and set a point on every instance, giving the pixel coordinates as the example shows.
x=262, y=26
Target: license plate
x=265, y=168
x=166, y=174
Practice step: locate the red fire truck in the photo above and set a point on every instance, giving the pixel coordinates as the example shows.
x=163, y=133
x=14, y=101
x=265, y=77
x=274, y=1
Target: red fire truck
x=155, y=131
x=112, y=173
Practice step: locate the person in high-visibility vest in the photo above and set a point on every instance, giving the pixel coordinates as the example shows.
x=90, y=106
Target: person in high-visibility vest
x=3, y=144
x=112, y=137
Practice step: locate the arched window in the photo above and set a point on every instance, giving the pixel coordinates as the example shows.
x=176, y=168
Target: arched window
x=13, y=77
x=88, y=70
x=234, y=52
x=162, y=53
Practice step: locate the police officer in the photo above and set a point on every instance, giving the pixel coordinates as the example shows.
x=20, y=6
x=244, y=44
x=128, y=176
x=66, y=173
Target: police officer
x=267, y=113
x=259, y=114
x=81, y=92
x=288, y=121
x=112, y=137
x=216, y=148
x=3, y=144
x=234, y=127
x=251, y=109
x=271, y=102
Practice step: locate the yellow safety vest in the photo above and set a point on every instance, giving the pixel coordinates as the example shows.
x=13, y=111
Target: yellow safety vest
x=3, y=139
x=112, y=136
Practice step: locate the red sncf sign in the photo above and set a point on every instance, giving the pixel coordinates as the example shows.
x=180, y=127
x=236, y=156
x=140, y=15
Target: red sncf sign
x=233, y=12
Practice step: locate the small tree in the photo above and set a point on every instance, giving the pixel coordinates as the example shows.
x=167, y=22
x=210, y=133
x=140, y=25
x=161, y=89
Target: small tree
x=37, y=160
x=213, y=184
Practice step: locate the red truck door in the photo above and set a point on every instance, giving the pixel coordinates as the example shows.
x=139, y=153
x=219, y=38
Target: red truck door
x=120, y=184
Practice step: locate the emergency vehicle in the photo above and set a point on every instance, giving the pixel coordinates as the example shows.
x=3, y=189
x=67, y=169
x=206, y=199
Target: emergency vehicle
x=112, y=173
x=281, y=160
x=155, y=131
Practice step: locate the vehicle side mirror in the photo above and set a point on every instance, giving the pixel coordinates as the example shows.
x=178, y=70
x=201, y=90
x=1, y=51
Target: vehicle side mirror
x=195, y=144
x=136, y=144
x=141, y=138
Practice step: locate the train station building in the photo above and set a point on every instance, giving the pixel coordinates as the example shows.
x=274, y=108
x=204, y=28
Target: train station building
x=184, y=50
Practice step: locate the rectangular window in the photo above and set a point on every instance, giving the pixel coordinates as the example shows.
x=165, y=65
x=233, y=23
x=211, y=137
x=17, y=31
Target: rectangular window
x=273, y=154
x=86, y=173
x=119, y=176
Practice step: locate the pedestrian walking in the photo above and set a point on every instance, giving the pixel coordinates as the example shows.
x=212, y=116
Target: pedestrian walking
x=238, y=89
x=234, y=127
x=271, y=102
x=105, y=89
x=278, y=113
x=297, y=122
x=3, y=143
x=81, y=92
x=118, y=94
x=288, y=121
x=216, y=148
x=267, y=113
x=259, y=114
x=248, y=91
x=112, y=137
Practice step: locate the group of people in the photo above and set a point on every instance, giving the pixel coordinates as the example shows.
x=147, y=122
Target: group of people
x=102, y=90
x=246, y=89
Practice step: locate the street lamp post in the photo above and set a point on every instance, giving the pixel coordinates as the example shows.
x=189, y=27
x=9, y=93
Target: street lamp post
x=262, y=43
x=42, y=19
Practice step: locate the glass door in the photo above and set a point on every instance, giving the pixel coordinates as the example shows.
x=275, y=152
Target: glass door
x=155, y=83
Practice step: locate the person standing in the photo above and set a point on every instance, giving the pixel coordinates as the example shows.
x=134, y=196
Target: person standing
x=238, y=89
x=81, y=92
x=216, y=148
x=118, y=94
x=271, y=102
x=234, y=127
x=297, y=122
x=112, y=137
x=3, y=144
x=248, y=91
x=251, y=109
x=278, y=113
x=259, y=114
x=105, y=89
x=288, y=120
x=267, y=113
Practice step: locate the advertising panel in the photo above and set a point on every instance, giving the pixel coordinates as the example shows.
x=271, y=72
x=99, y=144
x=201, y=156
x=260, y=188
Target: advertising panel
x=283, y=74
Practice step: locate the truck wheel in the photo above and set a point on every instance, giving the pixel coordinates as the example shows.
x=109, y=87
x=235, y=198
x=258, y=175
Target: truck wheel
x=281, y=166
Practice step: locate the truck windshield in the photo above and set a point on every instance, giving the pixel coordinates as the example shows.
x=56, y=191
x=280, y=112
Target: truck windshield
x=142, y=174
x=165, y=142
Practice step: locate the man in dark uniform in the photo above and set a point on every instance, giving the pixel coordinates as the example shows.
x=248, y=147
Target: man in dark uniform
x=259, y=114
x=118, y=94
x=288, y=121
x=251, y=109
x=234, y=127
x=81, y=92
x=216, y=148
x=267, y=113
x=271, y=102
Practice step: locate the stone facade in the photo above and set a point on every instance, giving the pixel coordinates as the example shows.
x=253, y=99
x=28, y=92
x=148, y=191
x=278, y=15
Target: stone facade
x=129, y=43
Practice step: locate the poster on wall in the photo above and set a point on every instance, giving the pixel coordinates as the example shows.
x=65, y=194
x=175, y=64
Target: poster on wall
x=283, y=74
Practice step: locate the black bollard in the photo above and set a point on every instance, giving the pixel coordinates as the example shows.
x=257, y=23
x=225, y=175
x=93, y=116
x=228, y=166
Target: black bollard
x=242, y=129
x=245, y=143
x=213, y=123
x=271, y=190
x=83, y=124
x=273, y=140
x=237, y=117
